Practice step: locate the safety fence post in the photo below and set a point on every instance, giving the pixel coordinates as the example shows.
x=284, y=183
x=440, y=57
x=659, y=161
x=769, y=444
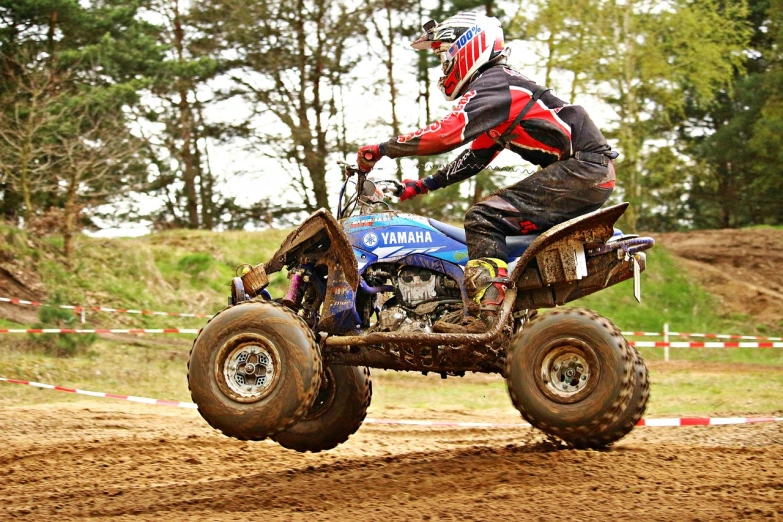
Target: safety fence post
x=666, y=340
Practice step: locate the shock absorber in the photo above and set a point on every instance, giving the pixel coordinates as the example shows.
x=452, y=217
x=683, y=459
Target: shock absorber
x=295, y=291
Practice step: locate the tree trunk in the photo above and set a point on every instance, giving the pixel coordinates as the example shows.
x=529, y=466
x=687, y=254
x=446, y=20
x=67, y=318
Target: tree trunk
x=69, y=217
x=550, y=45
x=24, y=180
x=478, y=192
x=185, y=124
x=395, y=123
x=629, y=115
x=205, y=178
x=314, y=157
x=10, y=205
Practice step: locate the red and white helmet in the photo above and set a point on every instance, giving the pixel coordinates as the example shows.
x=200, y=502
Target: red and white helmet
x=465, y=42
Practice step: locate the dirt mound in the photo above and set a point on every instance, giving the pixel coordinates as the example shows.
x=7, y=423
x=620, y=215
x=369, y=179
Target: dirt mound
x=743, y=267
x=120, y=461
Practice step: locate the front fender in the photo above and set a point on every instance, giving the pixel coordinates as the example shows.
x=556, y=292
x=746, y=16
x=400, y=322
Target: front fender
x=321, y=240
x=318, y=226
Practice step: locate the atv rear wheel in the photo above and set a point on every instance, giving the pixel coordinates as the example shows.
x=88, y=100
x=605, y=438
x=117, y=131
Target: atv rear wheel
x=336, y=414
x=630, y=416
x=254, y=370
x=571, y=374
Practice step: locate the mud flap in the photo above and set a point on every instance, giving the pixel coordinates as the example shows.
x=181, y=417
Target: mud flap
x=637, y=279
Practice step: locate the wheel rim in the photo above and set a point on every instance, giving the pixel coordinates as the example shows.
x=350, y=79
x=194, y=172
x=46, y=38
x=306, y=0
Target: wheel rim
x=325, y=398
x=247, y=368
x=568, y=370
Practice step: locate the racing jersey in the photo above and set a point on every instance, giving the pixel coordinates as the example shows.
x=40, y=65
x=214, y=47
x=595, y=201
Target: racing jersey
x=552, y=129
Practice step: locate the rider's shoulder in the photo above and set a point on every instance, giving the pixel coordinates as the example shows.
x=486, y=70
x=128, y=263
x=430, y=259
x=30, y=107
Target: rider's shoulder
x=491, y=78
x=513, y=73
x=502, y=76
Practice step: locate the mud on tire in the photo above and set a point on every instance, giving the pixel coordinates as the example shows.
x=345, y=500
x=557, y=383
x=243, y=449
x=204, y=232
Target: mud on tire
x=571, y=374
x=254, y=370
x=627, y=418
x=338, y=411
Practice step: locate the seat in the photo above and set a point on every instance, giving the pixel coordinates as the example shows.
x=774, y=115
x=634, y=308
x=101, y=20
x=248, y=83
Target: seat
x=516, y=244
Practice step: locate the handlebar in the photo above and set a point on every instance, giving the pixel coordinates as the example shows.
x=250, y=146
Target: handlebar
x=393, y=187
x=372, y=194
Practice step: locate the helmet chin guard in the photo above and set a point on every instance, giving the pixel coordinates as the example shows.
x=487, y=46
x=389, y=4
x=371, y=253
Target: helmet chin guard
x=465, y=43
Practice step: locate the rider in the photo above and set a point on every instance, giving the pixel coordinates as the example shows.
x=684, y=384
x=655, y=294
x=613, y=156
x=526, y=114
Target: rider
x=500, y=108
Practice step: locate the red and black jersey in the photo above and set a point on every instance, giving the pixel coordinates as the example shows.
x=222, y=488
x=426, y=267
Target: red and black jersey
x=552, y=130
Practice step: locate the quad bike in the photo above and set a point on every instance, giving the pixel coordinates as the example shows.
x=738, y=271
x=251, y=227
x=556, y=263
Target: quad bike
x=364, y=292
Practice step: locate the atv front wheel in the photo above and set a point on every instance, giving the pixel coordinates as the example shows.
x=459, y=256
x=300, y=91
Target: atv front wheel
x=254, y=370
x=572, y=375
x=336, y=414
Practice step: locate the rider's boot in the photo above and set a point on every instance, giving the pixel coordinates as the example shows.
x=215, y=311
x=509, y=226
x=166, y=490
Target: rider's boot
x=486, y=280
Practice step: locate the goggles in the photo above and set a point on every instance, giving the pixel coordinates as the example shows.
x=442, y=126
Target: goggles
x=444, y=51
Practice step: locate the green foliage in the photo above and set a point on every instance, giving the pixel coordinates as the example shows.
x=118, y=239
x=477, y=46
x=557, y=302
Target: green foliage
x=70, y=72
x=736, y=179
x=60, y=345
x=649, y=61
x=196, y=264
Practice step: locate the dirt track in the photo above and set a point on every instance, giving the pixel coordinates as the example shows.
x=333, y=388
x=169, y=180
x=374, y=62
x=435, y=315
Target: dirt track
x=129, y=462
x=742, y=267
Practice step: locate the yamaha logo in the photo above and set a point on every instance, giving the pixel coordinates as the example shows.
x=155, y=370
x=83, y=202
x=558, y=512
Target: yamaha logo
x=370, y=239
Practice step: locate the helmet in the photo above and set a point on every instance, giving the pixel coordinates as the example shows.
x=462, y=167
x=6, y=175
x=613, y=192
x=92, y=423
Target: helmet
x=465, y=43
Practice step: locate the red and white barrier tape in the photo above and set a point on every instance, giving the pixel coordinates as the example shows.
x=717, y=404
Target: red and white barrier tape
x=706, y=336
x=662, y=344
x=681, y=421
x=99, y=331
x=78, y=308
x=638, y=344
x=131, y=398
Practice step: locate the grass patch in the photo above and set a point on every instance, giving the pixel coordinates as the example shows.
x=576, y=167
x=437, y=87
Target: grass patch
x=714, y=389
x=677, y=389
x=178, y=271
x=152, y=369
x=145, y=369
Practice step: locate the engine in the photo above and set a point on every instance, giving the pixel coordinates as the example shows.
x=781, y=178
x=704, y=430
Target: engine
x=421, y=296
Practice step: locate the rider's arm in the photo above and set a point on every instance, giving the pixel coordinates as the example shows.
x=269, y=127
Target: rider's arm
x=483, y=108
x=468, y=164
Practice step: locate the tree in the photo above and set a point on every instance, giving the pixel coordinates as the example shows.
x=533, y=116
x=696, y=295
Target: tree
x=736, y=139
x=28, y=126
x=97, y=157
x=391, y=28
x=289, y=60
x=647, y=60
x=64, y=66
x=182, y=174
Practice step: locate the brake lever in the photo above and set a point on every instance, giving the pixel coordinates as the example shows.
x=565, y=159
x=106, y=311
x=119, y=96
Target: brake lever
x=399, y=188
x=349, y=169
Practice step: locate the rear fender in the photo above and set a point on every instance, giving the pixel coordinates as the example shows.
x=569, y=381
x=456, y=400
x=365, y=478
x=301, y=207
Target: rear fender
x=321, y=240
x=557, y=258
